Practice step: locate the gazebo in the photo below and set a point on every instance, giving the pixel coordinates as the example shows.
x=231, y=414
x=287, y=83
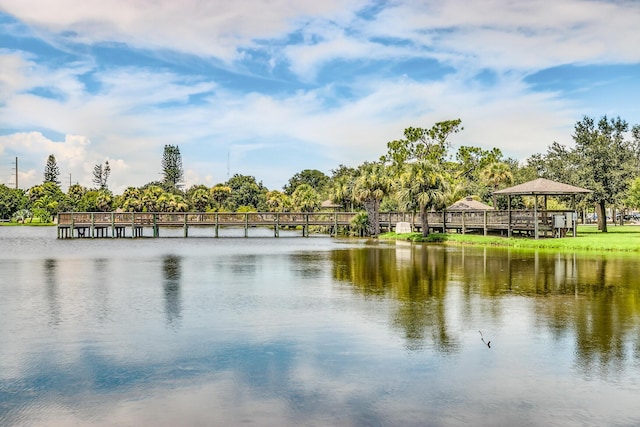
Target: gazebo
x=469, y=203
x=542, y=187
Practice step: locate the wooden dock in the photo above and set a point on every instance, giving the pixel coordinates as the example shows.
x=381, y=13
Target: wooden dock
x=139, y=224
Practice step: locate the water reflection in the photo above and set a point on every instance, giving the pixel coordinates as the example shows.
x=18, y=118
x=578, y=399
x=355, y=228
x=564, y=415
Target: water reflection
x=596, y=299
x=416, y=278
x=51, y=286
x=277, y=332
x=100, y=280
x=171, y=286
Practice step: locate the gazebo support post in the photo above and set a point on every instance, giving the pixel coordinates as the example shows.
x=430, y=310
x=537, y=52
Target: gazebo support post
x=535, y=215
x=509, y=229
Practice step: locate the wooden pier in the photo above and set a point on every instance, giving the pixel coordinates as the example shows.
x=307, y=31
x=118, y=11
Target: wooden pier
x=136, y=224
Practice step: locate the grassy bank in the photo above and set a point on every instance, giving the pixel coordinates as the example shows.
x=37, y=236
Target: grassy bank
x=35, y=223
x=621, y=238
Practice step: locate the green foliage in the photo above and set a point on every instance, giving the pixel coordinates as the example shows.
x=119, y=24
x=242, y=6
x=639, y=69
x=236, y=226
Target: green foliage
x=305, y=198
x=199, y=198
x=360, y=224
x=423, y=183
x=422, y=144
x=633, y=196
x=495, y=175
x=278, y=201
x=51, y=170
x=11, y=200
x=96, y=201
x=607, y=161
x=372, y=183
x=130, y=200
x=219, y=196
x=43, y=214
x=172, y=171
x=48, y=197
x=246, y=191
x=312, y=177
x=21, y=216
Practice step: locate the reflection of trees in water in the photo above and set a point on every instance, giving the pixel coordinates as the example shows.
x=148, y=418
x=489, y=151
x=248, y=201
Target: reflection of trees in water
x=417, y=282
x=308, y=264
x=51, y=283
x=594, y=298
x=172, y=276
x=101, y=290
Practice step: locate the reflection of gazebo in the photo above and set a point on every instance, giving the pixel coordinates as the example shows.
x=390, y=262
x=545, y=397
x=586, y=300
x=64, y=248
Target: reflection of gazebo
x=541, y=187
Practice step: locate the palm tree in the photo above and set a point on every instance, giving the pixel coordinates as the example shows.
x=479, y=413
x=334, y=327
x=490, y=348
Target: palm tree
x=200, y=199
x=305, y=198
x=496, y=174
x=278, y=201
x=131, y=200
x=219, y=194
x=423, y=182
x=371, y=185
x=341, y=190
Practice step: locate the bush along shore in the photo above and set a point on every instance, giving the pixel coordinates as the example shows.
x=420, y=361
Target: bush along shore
x=620, y=238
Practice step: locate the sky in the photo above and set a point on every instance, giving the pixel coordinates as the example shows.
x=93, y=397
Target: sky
x=269, y=88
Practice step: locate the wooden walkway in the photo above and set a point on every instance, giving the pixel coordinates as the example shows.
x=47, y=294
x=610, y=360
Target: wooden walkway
x=135, y=224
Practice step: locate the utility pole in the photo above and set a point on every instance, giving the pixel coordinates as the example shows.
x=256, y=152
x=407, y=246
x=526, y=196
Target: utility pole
x=16, y=173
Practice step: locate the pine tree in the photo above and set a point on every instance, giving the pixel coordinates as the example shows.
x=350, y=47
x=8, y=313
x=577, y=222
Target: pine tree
x=51, y=170
x=172, y=166
x=101, y=175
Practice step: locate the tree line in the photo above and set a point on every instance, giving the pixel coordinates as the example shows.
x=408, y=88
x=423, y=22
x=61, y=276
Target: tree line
x=418, y=173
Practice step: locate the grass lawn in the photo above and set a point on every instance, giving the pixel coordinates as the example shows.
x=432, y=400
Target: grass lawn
x=618, y=238
x=35, y=223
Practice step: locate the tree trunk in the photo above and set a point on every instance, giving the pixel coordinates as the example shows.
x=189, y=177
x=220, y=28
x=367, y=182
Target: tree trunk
x=372, y=207
x=602, y=216
x=424, y=221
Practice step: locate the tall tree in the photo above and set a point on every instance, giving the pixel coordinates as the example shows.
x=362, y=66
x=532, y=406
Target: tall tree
x=172, y=172
x=424, y=183
x=495, y=175
x=305, y=198
x=607, y=161
x=422, y=144
x=101, y=175
x=247, y=192
x=312, y=177
x=371, y=185
x=51, y=170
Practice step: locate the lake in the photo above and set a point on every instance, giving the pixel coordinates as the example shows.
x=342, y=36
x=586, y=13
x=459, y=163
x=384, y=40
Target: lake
x=312, y=331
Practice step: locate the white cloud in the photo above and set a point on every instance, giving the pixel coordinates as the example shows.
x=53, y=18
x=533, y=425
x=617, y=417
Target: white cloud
x=136, y=111
x=212, y=28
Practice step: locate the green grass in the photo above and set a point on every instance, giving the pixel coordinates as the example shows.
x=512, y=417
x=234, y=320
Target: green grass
x=35, y=223
x=619, y=238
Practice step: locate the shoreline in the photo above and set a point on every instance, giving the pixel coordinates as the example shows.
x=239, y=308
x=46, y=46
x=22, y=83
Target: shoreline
x=623, y=239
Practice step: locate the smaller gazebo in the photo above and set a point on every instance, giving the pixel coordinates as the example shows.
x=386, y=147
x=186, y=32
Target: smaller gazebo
x=329, y=205
x=541, y=187
x=468, y=203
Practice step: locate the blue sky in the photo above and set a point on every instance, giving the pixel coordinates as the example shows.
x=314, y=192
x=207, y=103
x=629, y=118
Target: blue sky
x=269, y=88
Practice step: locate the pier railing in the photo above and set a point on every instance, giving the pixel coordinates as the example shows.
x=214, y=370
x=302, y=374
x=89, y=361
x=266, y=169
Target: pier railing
x=118, y=224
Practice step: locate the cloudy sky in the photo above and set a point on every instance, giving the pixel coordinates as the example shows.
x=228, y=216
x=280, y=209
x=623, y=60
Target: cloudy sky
x=271, y=87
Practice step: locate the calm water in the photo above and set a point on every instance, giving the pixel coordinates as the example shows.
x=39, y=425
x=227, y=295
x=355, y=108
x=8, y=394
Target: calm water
x=315, y=331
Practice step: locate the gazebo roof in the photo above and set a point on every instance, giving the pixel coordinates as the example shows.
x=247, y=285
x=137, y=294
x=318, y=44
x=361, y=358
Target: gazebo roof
x=328, y=204
x=542, y=186
x=470, y=204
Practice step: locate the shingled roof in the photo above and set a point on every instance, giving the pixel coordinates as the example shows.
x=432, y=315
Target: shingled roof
x=469, y=204
x=542, y=186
